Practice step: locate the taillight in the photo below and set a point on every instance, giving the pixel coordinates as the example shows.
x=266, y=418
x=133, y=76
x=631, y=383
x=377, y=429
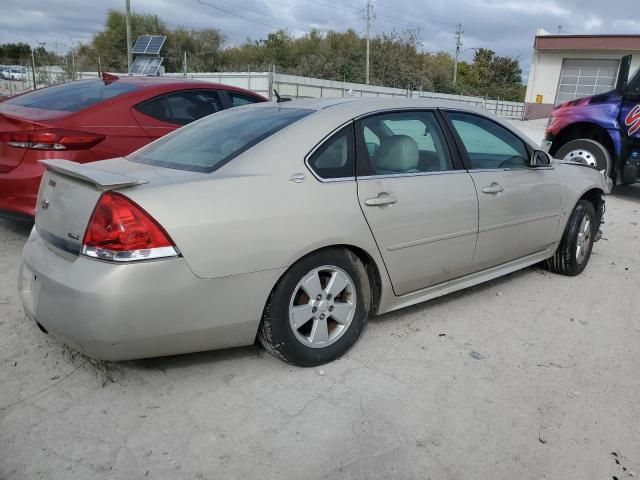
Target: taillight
x=51, y=139
x=121, y=231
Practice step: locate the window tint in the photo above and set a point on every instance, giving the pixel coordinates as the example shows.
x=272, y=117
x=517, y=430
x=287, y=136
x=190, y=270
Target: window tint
x=488, y=144
x=73, y=96
x=238, y=99
x=335, y=157
x=157, y=108
x=206, y=145
x=403, y=142
x=182, y=107
x=371, y=141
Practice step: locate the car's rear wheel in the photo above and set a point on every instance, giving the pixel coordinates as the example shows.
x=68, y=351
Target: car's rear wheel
x=576, y=245
x=586, y=151
x=318, y=309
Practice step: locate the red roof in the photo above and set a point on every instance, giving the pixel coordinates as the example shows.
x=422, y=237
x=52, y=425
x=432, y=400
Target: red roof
x=587, y=42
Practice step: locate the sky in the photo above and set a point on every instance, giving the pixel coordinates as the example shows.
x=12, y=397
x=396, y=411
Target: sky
x=505, y=26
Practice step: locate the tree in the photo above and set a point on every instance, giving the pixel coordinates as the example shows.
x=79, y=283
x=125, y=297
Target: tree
x=15, y=53
x=396, y=57
x=492, y=76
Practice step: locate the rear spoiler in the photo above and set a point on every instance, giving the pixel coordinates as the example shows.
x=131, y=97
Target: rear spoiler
x=102, y=179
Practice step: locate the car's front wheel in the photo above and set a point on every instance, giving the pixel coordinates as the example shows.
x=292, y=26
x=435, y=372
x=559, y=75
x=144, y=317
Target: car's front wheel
x=318, y=309
x=574, y=250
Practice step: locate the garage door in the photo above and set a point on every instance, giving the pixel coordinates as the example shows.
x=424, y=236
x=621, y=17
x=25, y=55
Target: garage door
x=581, y=78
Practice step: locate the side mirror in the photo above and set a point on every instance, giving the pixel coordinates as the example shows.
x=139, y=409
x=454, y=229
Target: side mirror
x=623, y=74
x=540, y=158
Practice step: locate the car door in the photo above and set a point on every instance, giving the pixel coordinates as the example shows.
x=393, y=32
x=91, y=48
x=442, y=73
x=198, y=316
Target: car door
x=163, y=114
x=422, y=208
x=519, y=206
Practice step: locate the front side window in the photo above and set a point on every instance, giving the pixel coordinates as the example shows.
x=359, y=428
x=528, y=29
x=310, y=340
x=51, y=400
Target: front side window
x=206, y=145
x=402, y=142
x=335, y=157
x=189, y=106
x=488, y=145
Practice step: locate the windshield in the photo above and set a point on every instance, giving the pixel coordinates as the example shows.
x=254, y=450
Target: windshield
x=73, y=96
x=206, y=145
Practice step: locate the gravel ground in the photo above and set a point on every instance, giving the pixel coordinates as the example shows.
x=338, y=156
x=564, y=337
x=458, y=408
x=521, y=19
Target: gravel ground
x=530, y=376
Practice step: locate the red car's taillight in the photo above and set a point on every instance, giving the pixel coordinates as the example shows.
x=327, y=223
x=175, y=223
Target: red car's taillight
x=51, y=139
x=121, y=231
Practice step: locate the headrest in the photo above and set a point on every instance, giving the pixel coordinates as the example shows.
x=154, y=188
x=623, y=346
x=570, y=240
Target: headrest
x=398, y=153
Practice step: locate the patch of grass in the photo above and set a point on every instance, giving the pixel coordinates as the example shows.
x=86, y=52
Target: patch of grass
x=103, y=370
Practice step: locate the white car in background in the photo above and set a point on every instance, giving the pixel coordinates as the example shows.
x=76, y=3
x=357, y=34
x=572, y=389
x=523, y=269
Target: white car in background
x=19, y=73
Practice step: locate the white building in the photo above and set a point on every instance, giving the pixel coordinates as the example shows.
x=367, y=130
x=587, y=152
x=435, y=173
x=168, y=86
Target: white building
x=566, y=67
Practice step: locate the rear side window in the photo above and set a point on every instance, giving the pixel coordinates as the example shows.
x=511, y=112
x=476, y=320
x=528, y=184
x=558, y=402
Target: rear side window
x=182, y=107
x=238, y=99
x=206, y=145
x=73, y=96
x=335, y=158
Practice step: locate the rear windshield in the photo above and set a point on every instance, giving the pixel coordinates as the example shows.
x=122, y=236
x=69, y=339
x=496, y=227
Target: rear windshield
x=206, y=145
x=73, y=96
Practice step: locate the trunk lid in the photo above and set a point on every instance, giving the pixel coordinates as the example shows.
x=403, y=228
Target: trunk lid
x=68, y=194
x=16, y=118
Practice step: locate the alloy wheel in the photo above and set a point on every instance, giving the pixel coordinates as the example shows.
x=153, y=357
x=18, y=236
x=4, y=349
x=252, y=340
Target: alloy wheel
x=584, y=239
x=322, y=306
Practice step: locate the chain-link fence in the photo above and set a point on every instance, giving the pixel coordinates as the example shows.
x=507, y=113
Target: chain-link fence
x=17, y=74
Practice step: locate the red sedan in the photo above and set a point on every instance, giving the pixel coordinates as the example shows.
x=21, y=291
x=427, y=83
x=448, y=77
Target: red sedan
x=93, y=120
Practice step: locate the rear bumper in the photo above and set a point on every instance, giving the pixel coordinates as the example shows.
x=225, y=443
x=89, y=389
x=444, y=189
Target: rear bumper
x=139, y=310
x=19, y=190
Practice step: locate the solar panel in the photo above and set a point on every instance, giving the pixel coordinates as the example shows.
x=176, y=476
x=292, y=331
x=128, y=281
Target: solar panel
x=149, y=44
x=141, y=44
x=146, y=65
x=155, y=44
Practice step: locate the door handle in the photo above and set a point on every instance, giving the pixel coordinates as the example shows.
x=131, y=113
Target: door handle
x=493, y=188
x=381, y=200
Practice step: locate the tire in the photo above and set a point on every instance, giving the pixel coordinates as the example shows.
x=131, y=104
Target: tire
x=311, y=335
x=586, y=151
x=568, y=259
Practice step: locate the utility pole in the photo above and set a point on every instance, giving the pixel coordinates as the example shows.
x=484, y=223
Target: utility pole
x=459, y=33
x=33, y=68
x=128, y=23
x=369, y=17
x=184, y=64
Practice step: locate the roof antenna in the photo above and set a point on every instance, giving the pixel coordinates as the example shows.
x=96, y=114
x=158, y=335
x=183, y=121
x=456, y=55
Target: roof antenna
x=107, y=78
x=277, y=95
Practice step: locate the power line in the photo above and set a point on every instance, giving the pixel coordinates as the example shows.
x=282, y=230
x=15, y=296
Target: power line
x=201, y=2
x=304, y=25
x=417, y=17
x=389, y=18
x=293, y=22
